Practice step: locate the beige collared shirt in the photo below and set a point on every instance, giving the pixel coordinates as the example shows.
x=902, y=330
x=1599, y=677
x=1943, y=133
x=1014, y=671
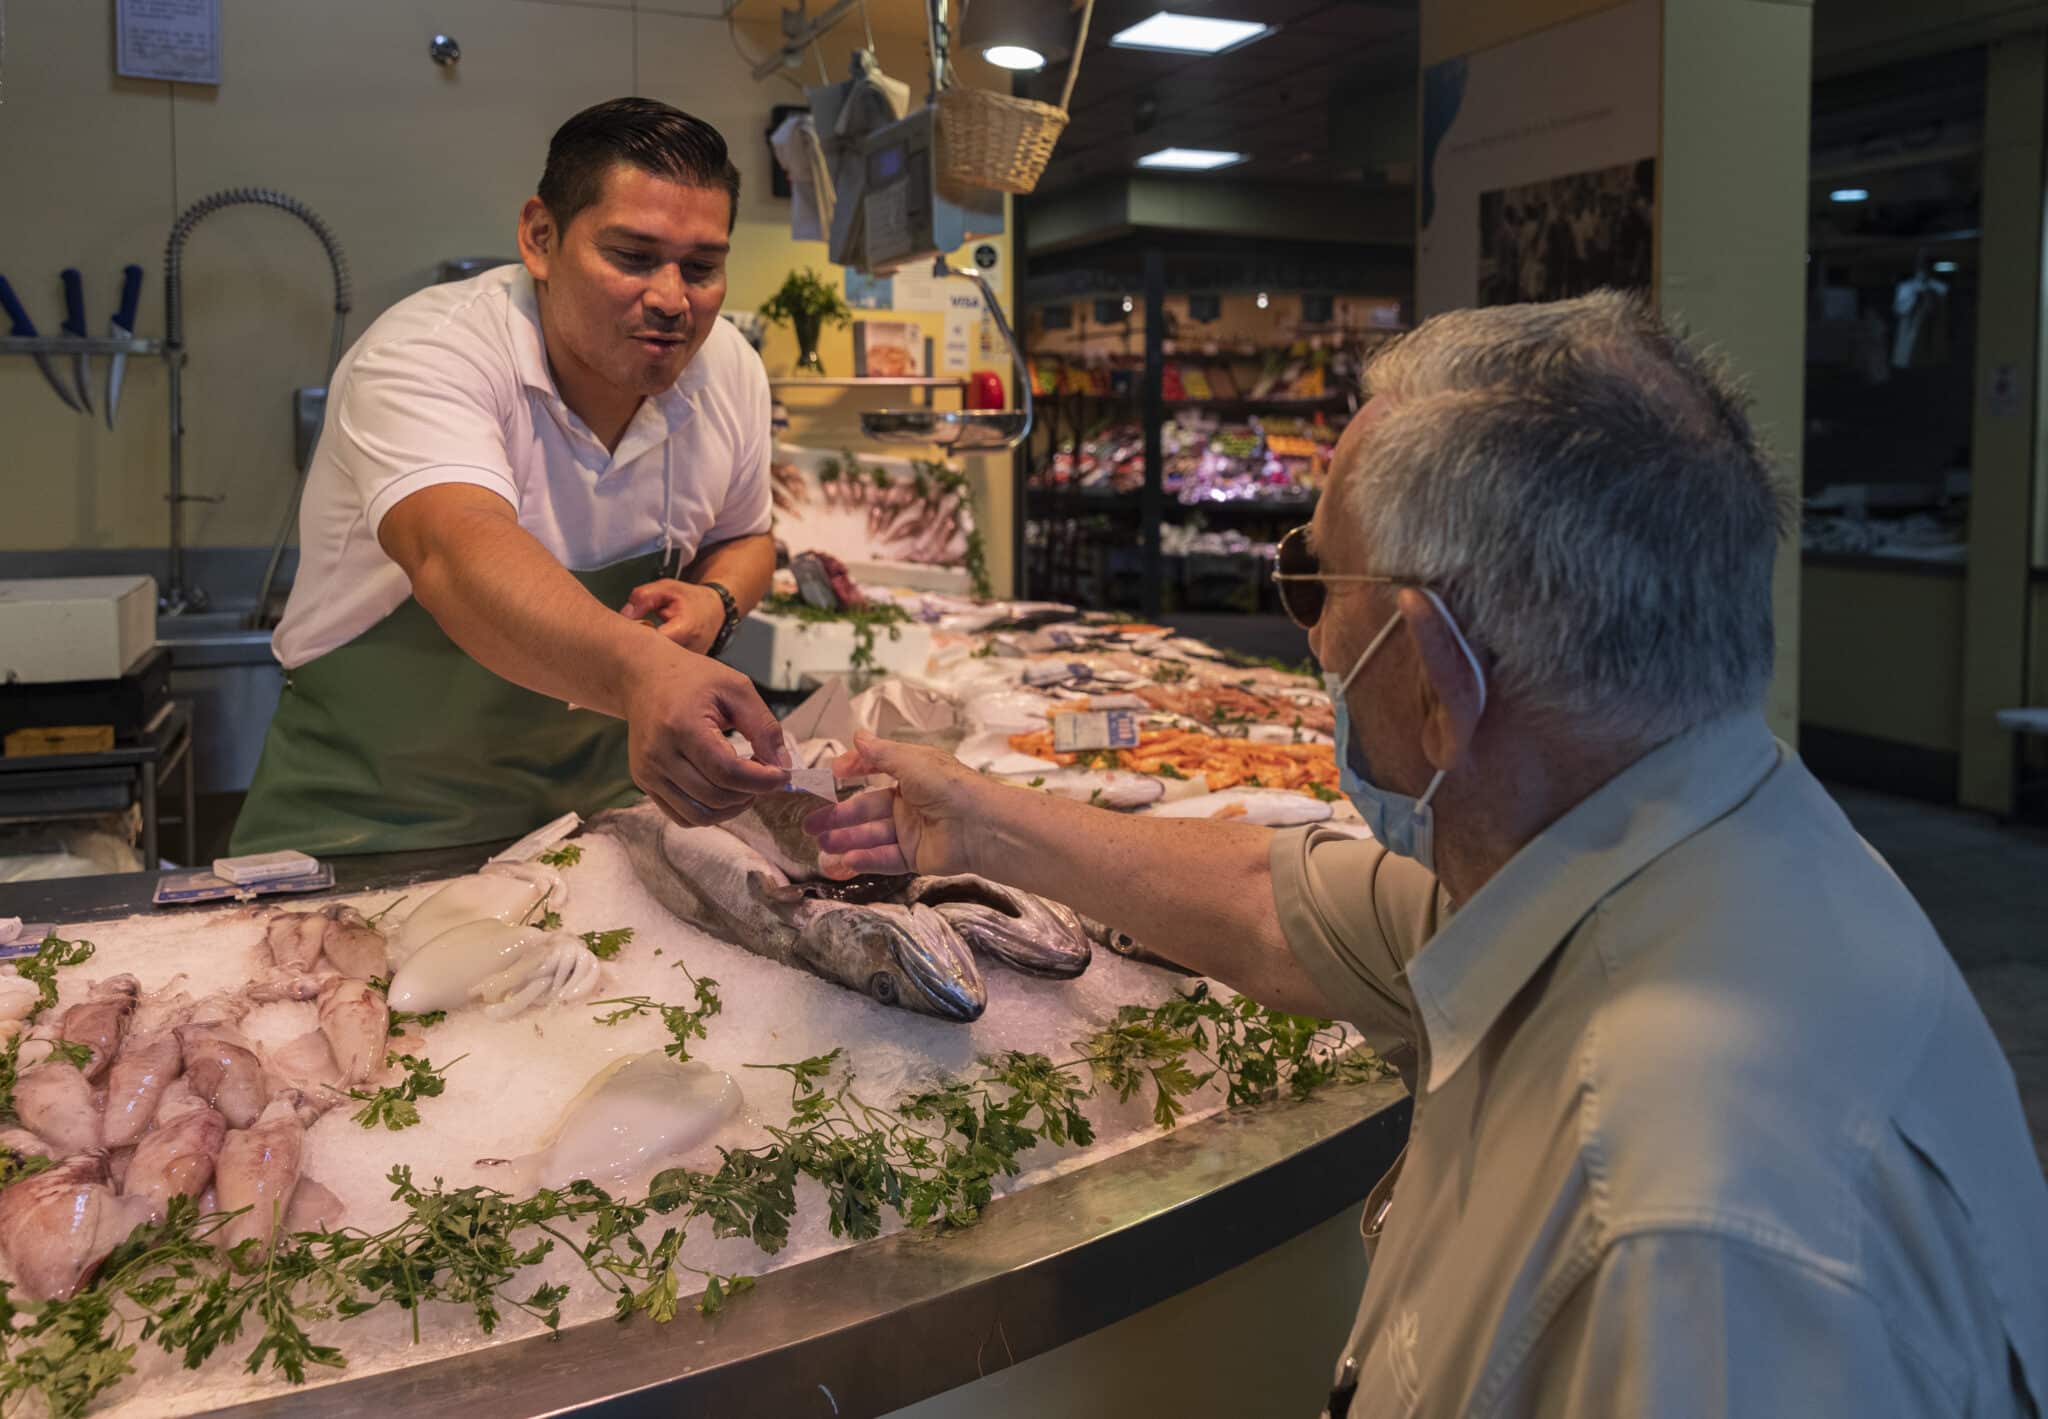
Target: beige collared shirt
x=1707, y=1122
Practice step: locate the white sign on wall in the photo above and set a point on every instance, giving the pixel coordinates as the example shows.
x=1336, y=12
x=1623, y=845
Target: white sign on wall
x=1539, y=164
x=177, y=40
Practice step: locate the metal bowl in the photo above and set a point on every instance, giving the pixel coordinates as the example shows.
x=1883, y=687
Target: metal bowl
x=962, y=429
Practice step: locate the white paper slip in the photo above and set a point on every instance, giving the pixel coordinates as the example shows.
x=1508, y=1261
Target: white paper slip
x=282, y=866
x=1083, y=730
x=540, y=839
x=818, y=782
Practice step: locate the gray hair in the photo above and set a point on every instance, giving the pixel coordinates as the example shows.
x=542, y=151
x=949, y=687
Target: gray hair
x=1583, y=488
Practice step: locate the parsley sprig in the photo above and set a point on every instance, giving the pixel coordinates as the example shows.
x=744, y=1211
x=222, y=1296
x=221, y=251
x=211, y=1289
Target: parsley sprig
x=396, y=1106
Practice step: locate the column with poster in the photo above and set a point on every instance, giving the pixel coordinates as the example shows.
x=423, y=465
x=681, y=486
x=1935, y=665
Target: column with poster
x=1539, y=165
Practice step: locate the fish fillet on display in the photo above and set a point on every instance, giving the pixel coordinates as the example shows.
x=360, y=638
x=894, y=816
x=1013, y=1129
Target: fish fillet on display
x=1104, y=788
x=897, y=955
x=503, y=891
x=1261, y=807
x=58, y=1226
x=636, y=1115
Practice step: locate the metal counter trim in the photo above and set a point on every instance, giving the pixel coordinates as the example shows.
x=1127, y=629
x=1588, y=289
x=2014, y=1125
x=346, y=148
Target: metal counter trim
x=871, y=1328
x=860, y=1332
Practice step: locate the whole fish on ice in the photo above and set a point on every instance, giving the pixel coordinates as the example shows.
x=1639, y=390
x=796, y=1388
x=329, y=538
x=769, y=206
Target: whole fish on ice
x=1025, y=932
x=898, y=955
x=58, y=1226
x=633, y=1116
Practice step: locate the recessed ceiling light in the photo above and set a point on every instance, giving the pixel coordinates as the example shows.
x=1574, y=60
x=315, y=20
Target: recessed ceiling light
x=1190, y=159
x=1849, y=194
x=1014, y=56
x=1189, y=34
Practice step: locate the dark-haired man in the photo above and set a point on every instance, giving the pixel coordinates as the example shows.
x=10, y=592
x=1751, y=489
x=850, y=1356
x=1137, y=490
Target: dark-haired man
x=508, y=464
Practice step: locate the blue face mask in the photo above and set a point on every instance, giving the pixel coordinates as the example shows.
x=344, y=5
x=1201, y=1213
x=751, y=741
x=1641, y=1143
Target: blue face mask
x=1402, y=824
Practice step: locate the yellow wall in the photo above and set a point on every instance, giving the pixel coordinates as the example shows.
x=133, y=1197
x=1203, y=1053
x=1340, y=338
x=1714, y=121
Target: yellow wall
x=1883, y=654
x=1731, y=236
x=338, y=105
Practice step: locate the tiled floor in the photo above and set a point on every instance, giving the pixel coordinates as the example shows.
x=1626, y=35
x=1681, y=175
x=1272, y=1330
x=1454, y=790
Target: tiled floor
x=1985, y=887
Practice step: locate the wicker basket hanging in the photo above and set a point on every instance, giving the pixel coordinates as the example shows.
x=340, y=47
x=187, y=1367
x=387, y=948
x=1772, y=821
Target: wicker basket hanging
x=993, y=140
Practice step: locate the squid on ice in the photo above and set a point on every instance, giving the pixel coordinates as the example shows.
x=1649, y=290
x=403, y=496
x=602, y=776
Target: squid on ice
x=297, y=940
x=633, y=1116
x=504, y=892
x=504, y=966
x=57, y=1226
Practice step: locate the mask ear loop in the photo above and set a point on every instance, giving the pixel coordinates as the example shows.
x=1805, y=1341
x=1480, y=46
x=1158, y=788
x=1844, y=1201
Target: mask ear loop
x=1478, y=679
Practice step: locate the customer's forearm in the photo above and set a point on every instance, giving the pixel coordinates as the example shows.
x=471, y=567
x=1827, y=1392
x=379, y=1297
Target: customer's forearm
x=1200, y=893
x=517, y=612
x=744, y=566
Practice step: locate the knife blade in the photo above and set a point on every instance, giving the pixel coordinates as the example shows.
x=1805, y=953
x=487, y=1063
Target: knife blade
x=122, y=327
x=20, y=326
x=74, y=324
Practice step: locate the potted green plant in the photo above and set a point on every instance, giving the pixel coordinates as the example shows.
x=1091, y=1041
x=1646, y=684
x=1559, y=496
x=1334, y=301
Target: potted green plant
x=805, y=304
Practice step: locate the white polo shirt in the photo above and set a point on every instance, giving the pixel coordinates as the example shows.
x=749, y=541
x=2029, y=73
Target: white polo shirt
x=452, y=385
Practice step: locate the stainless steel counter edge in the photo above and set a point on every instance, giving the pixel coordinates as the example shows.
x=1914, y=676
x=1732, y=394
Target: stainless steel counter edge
x=878, y=1326
x=869, y=1329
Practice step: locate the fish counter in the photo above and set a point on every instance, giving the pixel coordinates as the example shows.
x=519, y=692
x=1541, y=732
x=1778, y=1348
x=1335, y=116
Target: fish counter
x=636, y=1116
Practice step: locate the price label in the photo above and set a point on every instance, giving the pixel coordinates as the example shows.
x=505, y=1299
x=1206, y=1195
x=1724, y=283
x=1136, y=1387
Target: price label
x=1094, y=729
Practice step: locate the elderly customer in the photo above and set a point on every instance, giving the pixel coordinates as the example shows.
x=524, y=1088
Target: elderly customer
x=1706, y=1121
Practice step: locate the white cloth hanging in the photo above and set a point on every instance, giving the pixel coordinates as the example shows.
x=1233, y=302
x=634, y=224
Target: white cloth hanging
x=802, y=157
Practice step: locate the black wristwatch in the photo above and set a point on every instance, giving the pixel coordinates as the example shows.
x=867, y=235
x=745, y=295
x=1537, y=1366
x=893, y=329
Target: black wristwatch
x=732, y=620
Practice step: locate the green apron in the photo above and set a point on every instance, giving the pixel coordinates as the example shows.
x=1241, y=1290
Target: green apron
x=398, y=740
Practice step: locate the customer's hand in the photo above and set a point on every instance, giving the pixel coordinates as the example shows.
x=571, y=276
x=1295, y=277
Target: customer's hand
x=678, y=709
x=921, y=825
x=688, y=614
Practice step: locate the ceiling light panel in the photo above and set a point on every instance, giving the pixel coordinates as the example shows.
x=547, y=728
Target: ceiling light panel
x=1189, y=34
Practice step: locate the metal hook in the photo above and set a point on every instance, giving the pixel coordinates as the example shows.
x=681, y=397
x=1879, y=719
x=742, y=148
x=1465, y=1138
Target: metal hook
x=867, y=26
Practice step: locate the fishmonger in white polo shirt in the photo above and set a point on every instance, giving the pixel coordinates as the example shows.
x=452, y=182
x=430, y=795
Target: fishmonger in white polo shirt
x=508, y=464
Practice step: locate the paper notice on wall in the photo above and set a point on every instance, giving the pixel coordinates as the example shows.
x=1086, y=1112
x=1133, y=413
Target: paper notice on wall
x=177, y=40
x=916, y=288
x=958, y=353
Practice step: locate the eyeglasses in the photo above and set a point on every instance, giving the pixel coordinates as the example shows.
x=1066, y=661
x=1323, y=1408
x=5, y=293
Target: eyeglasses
x=1302, y=583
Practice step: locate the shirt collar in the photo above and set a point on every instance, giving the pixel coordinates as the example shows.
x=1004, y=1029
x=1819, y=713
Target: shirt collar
x=1482, y=957
x=529, y=353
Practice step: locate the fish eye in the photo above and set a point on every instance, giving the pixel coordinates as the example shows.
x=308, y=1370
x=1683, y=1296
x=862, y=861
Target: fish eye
x=882, y=986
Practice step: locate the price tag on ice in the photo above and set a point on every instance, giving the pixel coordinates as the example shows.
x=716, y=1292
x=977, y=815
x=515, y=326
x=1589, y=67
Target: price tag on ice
x=1094, y=729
